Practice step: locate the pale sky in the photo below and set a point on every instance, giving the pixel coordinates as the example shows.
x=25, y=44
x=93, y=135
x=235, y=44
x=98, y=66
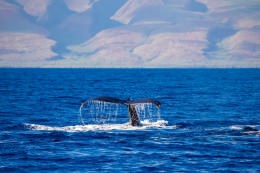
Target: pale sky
x=130, y=33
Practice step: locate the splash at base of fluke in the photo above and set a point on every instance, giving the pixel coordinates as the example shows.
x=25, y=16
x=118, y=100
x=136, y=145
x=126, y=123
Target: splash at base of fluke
x=101, y=110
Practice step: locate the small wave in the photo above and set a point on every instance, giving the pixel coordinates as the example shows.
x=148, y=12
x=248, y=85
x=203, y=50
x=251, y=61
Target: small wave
x=146, y=124
x=236, y=127
x=241, y=127
x=246, y=129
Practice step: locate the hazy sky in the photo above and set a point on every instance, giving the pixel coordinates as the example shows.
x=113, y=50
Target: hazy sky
x=129, y=33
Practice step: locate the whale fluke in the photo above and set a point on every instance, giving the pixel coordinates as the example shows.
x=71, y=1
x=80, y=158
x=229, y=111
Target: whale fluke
x=107, y=99
x=134, y=118
x=148, y=100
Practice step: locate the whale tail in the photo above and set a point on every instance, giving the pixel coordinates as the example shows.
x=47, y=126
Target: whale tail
x=131, y=104
x=134, y=118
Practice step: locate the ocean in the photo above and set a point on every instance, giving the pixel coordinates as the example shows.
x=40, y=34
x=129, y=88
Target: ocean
x=209, y=121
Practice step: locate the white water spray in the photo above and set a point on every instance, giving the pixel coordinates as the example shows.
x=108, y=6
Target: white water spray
x=96, y=114
x=100, y=112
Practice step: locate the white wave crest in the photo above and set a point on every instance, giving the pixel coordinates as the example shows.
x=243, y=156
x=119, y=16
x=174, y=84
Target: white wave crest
x=146, y=124
x=241, y=127
x=236, y=127
x=246, y=129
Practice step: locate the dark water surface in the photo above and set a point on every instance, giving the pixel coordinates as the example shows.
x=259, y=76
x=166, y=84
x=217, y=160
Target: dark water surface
x=213, y=121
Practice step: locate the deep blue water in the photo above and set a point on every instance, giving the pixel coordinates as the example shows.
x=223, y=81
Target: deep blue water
x=213, y=121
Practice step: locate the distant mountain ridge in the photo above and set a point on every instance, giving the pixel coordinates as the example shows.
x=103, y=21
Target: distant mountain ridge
x=129, y=33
